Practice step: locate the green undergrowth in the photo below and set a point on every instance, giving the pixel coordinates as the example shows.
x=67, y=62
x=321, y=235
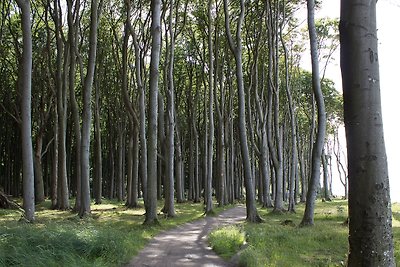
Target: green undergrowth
x=110, y=237
x=279, y=242
x=226, y=241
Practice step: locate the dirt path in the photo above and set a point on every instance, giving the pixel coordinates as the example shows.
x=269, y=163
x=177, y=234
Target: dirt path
x=187, y=244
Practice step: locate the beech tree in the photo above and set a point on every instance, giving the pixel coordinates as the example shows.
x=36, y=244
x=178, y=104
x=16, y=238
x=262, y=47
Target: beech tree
x=370, y=215
x=308, y=218
x=25, y=78
x=252, y=214
x=151, y=205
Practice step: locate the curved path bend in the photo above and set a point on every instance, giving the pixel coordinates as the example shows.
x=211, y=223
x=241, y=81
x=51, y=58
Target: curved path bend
x=187, y=245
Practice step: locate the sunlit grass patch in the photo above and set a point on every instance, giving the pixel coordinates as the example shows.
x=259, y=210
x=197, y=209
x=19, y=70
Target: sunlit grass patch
x=280, y=242
x=226, y=241
x=111, y=236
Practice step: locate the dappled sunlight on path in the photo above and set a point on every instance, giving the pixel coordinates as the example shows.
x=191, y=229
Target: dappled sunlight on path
x=187, y=244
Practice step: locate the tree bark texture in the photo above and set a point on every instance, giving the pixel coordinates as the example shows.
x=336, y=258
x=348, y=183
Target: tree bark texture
x=151, y=206
x=308, y=218
x=252, y=214
x=370, y=215
x=87, y=112
x=25, y=79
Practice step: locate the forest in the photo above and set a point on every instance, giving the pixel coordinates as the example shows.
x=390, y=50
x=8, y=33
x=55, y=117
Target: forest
x=151, y=103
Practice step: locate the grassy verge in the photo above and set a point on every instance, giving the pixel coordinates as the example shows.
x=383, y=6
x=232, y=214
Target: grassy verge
x=110, y=237
x=280, y=242
x=226, y=241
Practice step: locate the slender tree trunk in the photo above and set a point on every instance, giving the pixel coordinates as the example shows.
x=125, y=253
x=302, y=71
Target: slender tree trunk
x=324, y=160
x=293, y=133
x=62, y=184
x=121, y=151
x=209, y=204
x=87, y=112
x=308, y=218
x=38, y=168
x=26, y=128
x=162, y=154
x=169, y=208
x=54, y=167
x=98, y=184
x=72, y=37
x=252, y=214
x=142, y=117
x=370, y=215
x=135, y=170
x=151, y=206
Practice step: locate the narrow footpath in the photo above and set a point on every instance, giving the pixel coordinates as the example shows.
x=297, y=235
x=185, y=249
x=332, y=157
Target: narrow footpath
x=187, y=244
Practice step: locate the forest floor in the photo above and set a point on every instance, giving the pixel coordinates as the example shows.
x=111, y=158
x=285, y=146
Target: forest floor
x=187, y=245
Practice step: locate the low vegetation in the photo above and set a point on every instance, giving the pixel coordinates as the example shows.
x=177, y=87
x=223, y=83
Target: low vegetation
x=226, y=241
x=113, y=234
x=280, y=242
x=110, y=237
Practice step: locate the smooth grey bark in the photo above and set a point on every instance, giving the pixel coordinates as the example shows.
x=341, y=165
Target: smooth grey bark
x=142, y=115
x=179, y=168
x=98, y=175
x=62, y=183
x=87, y=112
x=263, y=151
x=135, y=171
x=120, y=163
x=54, y=163
x=251, y=210
x=209, y=204
x=293, y=134
x=169, y=208
x=73, y=20
x=38, y=168
x=308, y=217
x=370, y=215
x=221, y=166
x=132, y=175
x=303, y=193
x=275, y=143
x=324, y=161
x=25, y=80
x=151, y=206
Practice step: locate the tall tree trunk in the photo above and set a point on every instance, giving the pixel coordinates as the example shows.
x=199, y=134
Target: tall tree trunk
x=132, y=172
x=252, y=214
x=169, y=208
x=293, y=128
x=87, y=112
x=142, y=115
x=54, y=163
x=370, y=215
x=324, y=160
x=120, y=170
x=72, y=37
x=38, y=168
x=26, y=129
x=62, y=184
x=308, y=218
x=209, y=204
x=135, y=170
x=151, y=206
x=98, y=177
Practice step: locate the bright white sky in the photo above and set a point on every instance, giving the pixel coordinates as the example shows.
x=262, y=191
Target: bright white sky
x=388, y=20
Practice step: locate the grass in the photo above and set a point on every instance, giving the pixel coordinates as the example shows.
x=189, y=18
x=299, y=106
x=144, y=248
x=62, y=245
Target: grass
x=280, y=242
x=110, y=237
x=114, y=234
x=226, y=241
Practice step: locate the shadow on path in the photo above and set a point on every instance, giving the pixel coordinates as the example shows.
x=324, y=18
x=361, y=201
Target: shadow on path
x=187, y=244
